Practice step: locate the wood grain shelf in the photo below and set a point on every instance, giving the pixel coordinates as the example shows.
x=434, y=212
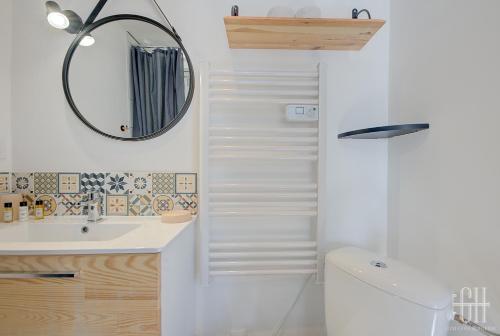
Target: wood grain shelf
x=298, y=33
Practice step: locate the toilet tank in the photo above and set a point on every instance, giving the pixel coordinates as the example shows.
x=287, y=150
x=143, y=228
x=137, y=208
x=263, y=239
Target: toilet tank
x=369, y=295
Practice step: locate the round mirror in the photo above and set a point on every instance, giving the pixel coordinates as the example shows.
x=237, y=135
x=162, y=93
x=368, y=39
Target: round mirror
x=128, y=77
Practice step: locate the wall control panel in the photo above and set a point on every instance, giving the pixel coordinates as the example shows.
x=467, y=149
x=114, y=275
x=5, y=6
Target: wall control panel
x=302, y=113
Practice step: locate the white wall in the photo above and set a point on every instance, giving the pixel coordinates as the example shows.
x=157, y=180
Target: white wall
x=444, y=184
x=49, y=137
x=5, y=86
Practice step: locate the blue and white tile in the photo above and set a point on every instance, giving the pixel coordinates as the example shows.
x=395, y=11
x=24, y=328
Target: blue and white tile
x=69, y=183
x=117, y=205
x=118, y=183
x=4, y=183
x=185, y=183
x=92, y=182
x=22, y=183
x=140, y=205
x=124, y=194
x=141, y=183
x=45, y=183
x=163, y=183
x=69, y=205
x=163, y=204
x=187, y=202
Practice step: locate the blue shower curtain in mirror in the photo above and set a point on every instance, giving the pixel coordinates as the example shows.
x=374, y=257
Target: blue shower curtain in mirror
x=157, y=79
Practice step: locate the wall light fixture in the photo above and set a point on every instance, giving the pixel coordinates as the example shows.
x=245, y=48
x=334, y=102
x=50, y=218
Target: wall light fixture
x=71, y=22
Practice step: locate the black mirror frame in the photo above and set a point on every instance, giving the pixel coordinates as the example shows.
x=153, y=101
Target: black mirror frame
x=76, y=42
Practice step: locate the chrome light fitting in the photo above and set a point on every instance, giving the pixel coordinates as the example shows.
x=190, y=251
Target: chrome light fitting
x=71, y=22
x=55, y=17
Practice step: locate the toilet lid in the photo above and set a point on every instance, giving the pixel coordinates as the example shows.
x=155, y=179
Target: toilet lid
x=392, y=277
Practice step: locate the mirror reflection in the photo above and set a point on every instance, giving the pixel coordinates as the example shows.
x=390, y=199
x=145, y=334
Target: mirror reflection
x=132, y=82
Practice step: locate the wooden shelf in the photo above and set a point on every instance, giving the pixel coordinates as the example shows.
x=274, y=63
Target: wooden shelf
x=298, y=33
x=384, y=132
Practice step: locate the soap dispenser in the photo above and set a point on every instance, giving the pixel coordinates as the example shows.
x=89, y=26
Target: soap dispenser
x=8, y=214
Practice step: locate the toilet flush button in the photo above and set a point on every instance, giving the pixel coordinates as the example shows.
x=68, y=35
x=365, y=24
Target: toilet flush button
x=378, y=264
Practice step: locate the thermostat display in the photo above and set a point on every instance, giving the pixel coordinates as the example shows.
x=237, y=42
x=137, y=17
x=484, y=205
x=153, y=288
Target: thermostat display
x=302, y=113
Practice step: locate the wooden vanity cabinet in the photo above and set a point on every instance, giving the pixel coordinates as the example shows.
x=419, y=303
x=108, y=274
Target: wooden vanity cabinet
x=80, y=295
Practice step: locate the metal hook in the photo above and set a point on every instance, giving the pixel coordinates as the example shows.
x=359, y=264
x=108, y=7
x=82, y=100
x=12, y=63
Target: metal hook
x=355, y=13
x=235, y=11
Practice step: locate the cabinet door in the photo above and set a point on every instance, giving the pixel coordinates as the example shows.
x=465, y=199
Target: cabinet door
x=93, y=295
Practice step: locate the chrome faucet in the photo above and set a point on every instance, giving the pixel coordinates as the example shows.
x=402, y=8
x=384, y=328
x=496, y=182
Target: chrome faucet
x=94, y=207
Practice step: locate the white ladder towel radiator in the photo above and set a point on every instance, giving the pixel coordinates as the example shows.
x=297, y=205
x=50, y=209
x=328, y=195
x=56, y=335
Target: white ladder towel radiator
x=262, y=177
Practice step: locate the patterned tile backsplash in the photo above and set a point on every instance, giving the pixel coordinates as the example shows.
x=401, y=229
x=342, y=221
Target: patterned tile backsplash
x=4, y=182
x=123, y=193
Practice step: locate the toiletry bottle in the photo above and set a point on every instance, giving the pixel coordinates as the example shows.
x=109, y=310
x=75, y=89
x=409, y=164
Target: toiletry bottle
x=23, y=211
x=39, y=210
x=8, y=214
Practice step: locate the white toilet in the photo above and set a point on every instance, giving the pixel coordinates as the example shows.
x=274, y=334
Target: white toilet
x=367, y=295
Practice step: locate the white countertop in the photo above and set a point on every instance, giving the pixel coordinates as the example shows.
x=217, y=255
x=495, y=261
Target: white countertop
x=151, y=236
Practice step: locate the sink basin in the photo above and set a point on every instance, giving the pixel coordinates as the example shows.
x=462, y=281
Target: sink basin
x=29, y=232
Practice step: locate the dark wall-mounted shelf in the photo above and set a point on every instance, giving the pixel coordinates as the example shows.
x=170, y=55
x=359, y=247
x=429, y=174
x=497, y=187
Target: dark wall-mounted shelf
x=383, y=132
